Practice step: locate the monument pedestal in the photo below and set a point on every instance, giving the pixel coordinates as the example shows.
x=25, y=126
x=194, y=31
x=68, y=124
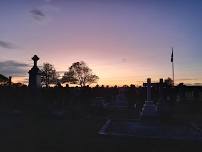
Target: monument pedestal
x=149, y=111
x=35, y=74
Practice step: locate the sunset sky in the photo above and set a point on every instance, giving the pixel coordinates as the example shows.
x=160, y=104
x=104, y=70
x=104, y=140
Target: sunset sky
x=122, y=41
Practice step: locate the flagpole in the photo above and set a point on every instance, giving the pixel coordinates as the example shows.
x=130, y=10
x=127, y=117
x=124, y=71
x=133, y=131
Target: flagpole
x=172, y=60
x=173, y=73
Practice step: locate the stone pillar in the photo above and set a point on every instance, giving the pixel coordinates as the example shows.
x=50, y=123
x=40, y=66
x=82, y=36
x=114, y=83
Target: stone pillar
x=35, y=74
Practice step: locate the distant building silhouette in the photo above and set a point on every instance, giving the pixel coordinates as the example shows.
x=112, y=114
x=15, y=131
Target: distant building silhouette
x=35, y=74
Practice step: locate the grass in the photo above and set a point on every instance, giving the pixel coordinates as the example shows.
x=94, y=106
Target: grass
x=32, y=133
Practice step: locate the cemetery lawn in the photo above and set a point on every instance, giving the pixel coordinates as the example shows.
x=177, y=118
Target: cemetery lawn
x=45, y=134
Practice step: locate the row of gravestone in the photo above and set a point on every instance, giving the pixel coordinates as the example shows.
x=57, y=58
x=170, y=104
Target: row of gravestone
x=189, y=96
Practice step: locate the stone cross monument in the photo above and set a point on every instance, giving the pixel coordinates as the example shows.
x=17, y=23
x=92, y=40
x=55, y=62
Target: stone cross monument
x=35, y=74
x=149, y=109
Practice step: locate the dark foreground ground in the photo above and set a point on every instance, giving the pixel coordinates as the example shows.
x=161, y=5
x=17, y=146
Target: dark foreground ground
x=51, y=134
x=77, y=129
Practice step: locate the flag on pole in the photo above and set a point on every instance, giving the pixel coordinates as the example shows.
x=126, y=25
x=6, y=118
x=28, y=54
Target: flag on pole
x=172, y=56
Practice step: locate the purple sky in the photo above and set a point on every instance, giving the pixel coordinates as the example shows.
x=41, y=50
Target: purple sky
x=124, y=42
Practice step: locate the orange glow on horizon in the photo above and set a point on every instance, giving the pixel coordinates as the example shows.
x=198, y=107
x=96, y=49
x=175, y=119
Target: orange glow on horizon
x=118, y=82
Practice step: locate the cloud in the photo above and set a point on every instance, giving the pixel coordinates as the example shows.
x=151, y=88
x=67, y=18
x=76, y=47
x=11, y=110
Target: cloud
x=186, y=79
x=123, y=60
x=7, y=45
x=193, y=84
x=43, y=13
x=48, y=1
x=13, y=68
x=38, y=14
x=198, y=84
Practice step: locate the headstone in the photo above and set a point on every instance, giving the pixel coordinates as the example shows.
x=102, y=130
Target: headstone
x=149, y=110
x=35, y=74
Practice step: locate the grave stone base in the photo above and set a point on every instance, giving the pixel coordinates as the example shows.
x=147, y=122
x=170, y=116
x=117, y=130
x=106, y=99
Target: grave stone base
x=149, y=111
x=141, y=129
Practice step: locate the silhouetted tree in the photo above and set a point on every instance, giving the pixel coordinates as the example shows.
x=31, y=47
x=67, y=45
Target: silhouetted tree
x=169, y=82
x=79, y=73
x=49, y=75
x=3, y=79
